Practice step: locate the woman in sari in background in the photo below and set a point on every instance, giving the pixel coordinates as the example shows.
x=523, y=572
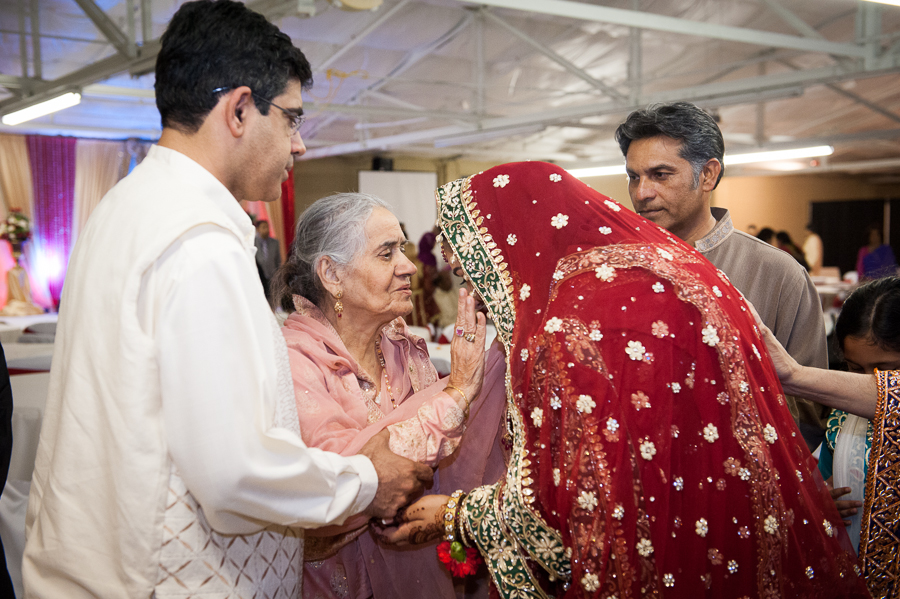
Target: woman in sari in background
x=653, y=452
x=358, y=372
x=862, y=438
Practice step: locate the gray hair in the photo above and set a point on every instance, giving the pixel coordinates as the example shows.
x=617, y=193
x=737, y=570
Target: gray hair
x=697, y=131
x=333, y=226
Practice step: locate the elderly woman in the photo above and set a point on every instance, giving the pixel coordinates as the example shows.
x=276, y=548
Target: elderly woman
x=862, y=435
x=358, y=372
x=653, y=453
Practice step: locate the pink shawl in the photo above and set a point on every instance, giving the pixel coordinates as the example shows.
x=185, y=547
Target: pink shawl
x=334, y=417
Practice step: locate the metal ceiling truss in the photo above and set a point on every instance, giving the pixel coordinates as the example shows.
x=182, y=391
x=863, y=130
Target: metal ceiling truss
x=130, y=56
x=853, y=60
x=771, y=86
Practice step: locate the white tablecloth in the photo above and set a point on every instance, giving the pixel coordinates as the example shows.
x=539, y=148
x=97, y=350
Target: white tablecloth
x=29, y=398
x=11, y=327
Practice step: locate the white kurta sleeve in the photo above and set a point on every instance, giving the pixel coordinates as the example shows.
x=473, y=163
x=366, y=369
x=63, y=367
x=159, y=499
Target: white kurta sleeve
x=203, y=305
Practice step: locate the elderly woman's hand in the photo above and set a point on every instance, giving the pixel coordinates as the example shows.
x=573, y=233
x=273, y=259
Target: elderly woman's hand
x=467, y=350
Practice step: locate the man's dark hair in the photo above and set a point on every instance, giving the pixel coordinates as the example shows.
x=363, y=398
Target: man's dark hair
x=766, y=234
x=222, y=44
x=697, y=131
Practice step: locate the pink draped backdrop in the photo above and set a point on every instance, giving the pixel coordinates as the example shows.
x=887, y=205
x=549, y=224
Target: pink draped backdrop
x=53, y=179
x=287, y=209
x=46, y=254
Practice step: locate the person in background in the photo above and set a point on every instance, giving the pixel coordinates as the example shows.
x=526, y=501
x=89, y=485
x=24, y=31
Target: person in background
x=445, y=299
x=766, y=235
x=876, y=259
x=868, y=333
x=170, y=462
x=786, y=244
x=813, y=250
x=428, y=260
x=863, y=434
x=358, y=371
x=268, y=255
x=673, y=157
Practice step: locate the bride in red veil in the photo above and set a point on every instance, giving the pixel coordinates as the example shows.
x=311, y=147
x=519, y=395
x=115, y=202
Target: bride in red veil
x=652, y=450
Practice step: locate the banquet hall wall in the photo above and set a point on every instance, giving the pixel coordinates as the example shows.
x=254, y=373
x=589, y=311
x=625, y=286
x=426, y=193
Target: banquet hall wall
x=778, y=201
x=781, y=202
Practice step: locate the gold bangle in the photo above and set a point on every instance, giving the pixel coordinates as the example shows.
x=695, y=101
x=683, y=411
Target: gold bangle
x=450, y=509
x=465, y=399
x=460, y=391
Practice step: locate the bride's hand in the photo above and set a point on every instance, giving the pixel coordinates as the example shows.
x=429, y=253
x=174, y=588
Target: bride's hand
x=421, y=522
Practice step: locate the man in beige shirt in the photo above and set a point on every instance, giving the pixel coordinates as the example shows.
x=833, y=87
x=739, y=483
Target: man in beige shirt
x=674, y=159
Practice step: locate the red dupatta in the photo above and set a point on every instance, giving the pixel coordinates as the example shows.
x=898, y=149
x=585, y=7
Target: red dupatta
x=653, y=453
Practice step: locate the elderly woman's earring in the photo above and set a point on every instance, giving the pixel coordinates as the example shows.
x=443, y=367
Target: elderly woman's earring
x=339, y=305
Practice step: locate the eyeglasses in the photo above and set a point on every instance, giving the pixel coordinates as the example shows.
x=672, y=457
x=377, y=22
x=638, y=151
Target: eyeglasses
x=295, y=119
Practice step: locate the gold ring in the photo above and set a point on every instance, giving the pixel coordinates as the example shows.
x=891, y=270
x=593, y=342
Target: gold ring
x=470, y=337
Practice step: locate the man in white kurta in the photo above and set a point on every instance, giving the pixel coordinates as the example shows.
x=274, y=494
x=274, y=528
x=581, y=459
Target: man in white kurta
x=170, y=462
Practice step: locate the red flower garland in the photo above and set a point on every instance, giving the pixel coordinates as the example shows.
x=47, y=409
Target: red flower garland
x=460, y=561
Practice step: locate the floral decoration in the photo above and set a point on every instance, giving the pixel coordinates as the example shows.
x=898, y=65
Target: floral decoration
x=605, y=272
x=659, y=329
x=701, y=527
x=501, y=181
x=553, y=325
x=585, y=404
x=590, y=582
x=635, y=350
x=459, y=560
x=587, y=501
x=648, y=449
x=710, y=336
x=640, y=400
x=16, y=228
x=645, y=547
x=559, y=221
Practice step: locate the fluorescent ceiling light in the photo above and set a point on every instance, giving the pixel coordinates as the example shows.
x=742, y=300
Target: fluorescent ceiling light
x=891, y=2
x=42, y=108
x=730, y=159
x=774, y=156
x=597, y=171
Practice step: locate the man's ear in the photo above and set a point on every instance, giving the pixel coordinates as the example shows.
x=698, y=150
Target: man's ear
x=238, y=102
x=709, y=176
x=329, y=275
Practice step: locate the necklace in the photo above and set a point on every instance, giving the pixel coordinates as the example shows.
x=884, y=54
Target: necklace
x=384, y=374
